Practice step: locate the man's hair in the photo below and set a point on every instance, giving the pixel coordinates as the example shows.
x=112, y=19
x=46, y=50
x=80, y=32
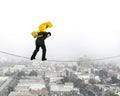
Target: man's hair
x=49, y=33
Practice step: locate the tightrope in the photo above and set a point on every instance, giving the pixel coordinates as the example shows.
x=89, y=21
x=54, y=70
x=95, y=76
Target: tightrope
x=60, y=60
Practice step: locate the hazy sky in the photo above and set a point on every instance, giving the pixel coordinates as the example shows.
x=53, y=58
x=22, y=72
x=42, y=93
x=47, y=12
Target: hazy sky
x=80, y=27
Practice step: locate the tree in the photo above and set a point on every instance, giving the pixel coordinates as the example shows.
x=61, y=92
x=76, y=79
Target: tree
x=74, y=68
x=65, y=79
x=10, y=88
x=113, y=94
x=77, y=83
x=109, y=93
x=114, y=79
x=92, y=81
x=103, y=73
x=33, y=73
x=21, y=73
x=96, y=89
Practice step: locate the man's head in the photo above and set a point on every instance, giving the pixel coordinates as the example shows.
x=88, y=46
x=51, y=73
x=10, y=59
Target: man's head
x=48, y=34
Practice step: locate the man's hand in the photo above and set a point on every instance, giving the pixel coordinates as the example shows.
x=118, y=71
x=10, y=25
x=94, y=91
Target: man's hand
x=36, y=34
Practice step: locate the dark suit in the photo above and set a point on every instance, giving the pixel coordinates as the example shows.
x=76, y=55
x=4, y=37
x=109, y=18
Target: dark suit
x=40, y=42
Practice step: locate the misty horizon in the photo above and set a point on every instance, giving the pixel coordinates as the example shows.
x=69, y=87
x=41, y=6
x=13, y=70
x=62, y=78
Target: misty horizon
x=86, y=28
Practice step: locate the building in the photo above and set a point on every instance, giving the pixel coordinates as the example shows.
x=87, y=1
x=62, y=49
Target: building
x=63, y=89
x=21, y=94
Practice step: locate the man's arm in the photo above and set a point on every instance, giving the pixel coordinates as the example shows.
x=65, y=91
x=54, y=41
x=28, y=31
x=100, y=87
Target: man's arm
x=42, y=33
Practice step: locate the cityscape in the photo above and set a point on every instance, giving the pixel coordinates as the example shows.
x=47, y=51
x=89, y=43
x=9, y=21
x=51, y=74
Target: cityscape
x=59, y=78
x=81, y=57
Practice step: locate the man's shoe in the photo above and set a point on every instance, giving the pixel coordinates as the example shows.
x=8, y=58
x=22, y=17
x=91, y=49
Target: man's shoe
x=32, y=58
x=44, y=59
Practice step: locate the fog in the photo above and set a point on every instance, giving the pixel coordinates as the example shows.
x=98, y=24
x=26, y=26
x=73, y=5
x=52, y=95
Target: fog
x=80, y=27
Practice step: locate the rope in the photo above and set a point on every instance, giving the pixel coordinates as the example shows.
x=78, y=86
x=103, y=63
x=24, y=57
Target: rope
x=106, y=58
x=14, y=55
x=59, y=60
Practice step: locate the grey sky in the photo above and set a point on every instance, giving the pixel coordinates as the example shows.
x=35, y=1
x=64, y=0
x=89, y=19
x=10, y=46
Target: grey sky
x=80, y=27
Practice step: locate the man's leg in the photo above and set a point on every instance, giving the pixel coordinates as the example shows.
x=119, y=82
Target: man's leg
x=43, y=52
x=35, y=52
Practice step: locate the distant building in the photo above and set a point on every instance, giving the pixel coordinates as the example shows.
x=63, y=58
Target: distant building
x=106, y=87
x=21, y=94
x=55, y=73
x=39, y=90
x=55, y=79
x=61, y=89
x=85, y=77
x=27, y=86
x=22, y=89
x=16, y=68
